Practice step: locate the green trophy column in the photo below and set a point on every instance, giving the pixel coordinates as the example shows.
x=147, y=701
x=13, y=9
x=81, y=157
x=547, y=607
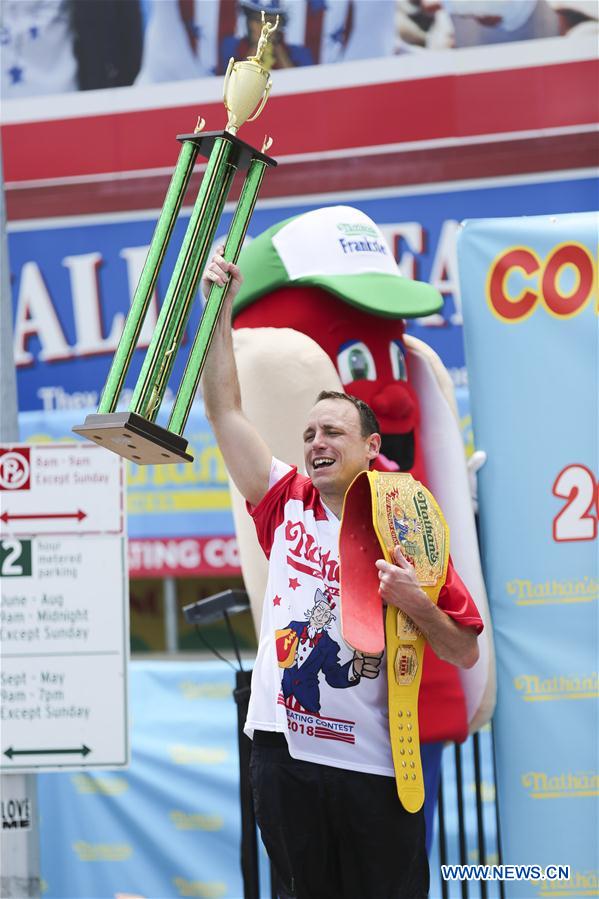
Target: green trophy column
x=134, y=434
x=203, y=338
x=174, y=314
x=147, y=282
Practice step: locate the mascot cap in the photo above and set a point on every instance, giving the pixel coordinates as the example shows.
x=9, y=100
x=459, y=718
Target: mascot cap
x=341, y=250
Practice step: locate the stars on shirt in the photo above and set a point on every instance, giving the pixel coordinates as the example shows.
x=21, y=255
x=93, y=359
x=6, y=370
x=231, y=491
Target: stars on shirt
x=276, y=601
x=293, y=583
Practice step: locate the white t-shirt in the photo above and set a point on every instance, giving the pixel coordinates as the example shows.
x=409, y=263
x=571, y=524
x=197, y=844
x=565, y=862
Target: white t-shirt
x=304, y=684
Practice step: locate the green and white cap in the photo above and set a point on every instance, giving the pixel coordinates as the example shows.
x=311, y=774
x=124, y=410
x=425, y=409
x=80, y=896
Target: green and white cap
x=339, y=249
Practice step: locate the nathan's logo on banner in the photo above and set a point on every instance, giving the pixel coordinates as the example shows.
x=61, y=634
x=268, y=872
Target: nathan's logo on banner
x=205, y=889
x=197, y=755
x=540, y=689
x=187, y=821
x=106, y=786
x=519, y=279
x=103, y=852
x=553, y=592
x=579, y=883
x=192, y=691
x=568, y=785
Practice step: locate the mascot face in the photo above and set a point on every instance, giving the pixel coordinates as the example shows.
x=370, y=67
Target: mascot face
x=368, y=352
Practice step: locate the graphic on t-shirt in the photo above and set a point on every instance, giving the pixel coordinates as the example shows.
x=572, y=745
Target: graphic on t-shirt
x=305, y=648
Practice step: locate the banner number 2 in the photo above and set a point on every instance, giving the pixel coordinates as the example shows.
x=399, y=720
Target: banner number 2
x=577, y=520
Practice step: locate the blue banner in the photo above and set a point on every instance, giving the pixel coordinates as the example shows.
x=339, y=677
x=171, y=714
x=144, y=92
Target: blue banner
x=532, y=344
x=73, y=279
x=167, y=826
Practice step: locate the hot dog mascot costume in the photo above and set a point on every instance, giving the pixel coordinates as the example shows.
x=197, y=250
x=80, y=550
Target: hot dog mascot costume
x=322, y=306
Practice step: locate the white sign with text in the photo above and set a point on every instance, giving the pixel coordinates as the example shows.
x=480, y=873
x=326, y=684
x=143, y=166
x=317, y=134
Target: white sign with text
x=64, y=608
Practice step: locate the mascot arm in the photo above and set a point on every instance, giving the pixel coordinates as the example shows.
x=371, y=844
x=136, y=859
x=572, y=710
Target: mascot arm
x=448, y=481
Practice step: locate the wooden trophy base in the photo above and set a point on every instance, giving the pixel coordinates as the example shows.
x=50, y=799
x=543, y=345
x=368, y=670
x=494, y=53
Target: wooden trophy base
x=133, y=437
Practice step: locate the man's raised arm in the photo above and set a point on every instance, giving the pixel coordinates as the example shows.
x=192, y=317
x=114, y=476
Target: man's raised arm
x=246, y=455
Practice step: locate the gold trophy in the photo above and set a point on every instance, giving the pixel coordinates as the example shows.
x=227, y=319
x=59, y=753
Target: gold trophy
x=134, y=434
x=248, y=81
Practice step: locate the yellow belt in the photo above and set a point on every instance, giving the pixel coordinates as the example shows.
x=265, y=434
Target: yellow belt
x=382, y=511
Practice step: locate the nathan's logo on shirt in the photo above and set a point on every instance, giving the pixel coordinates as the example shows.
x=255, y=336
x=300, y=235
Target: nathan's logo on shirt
x=305, y=555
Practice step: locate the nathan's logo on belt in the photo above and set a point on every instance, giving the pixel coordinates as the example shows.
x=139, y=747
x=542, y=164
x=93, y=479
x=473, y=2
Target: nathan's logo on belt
x=413, y=533
x=428, y=535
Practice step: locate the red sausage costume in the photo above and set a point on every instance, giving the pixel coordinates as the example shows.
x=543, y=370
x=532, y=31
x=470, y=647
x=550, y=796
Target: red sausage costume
x=295, y=277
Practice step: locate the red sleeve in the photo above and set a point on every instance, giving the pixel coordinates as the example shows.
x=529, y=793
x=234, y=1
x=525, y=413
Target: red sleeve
x=270, y=511
x=455, y=600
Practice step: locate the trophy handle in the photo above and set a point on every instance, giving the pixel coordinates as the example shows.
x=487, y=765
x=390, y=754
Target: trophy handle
x=227, y=77
x=263, y=101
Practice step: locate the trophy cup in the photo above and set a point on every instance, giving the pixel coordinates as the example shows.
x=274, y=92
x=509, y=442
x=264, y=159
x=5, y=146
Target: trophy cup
x=134, y=434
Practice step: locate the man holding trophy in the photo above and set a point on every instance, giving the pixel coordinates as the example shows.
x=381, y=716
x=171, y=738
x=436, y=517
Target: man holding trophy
x=336, y=770
x=327, y=761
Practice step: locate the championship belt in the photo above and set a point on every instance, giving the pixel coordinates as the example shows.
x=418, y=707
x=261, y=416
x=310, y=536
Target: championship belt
x=380, y=512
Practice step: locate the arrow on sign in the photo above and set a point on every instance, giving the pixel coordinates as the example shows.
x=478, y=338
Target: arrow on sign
x=83, y=750
x=79, y=515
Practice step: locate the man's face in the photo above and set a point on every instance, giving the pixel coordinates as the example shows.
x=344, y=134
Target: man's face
x=335, y=450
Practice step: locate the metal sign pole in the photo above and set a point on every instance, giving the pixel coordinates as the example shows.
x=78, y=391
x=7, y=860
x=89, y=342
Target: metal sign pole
x=20, y=854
